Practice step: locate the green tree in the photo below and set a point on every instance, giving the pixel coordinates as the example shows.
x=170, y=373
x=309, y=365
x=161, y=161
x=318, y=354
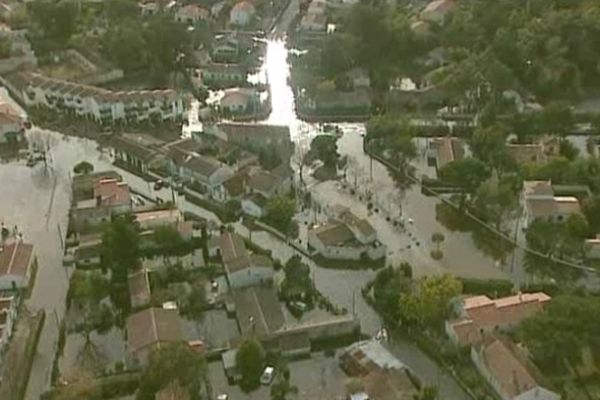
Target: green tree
x=437, y=238
x=250, y=361
x=170, y=362
x=84, y=168
x=167, y=239
x=468, y=173
x=557, y=335
x=591, y=210
x=388, y=285
x=324, y=148
x=168, y=44
x=124, y=44
x=554, y=241
x=56, y=19
x=494, y=202
x=120, y=247
x=280, y=211
x=429, y=304
x=297, y=282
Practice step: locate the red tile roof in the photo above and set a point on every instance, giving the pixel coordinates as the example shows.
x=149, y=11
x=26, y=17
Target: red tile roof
x=112, y=192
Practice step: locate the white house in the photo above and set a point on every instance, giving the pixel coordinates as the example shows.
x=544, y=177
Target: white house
x=16, y=263
x=242, y=13
x=539, y=202
x=191, y=14
x=241, y=267
x=506, y=373
x=254, y=205
x=102, y=105
x=8, y=315
x=11, y=128
x=335, y=240
x=240, y=101
x=207, y=172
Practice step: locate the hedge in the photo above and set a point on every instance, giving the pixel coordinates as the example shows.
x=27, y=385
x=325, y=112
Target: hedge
x=491, y=288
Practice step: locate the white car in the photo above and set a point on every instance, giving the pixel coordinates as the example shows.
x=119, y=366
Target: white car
x=267, y=376
x=223, y=397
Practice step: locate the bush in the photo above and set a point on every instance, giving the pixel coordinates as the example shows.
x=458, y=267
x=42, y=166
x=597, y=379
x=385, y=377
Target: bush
x=491, y=288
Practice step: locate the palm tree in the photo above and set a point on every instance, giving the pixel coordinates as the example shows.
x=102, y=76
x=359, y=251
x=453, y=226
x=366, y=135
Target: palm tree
x=437, y=238
x=282, y=388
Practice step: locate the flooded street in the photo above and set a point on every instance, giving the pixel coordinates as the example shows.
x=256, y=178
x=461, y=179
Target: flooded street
x=37, y=200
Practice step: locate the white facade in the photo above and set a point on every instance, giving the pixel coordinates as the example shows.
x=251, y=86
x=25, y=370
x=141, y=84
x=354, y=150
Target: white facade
x=374, y=251
x=103, y=105
x=251, y=208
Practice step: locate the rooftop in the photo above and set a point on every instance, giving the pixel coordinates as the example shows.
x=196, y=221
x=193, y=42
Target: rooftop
x=258, y=310
x=111, y=192
x=230, y=244
x=151, y=326
x=205, y=166
x=506, y=369
x=15, y=258
x=264, y=181
x=364, y=357
x=335, y=234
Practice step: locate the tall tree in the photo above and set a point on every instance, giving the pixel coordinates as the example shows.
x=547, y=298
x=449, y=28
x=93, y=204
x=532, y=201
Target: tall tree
x=170, y=362
x=250, y=361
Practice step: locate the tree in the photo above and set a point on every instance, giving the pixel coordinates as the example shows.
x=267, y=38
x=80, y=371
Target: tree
x=280, y=211
x=429, y=304
x=468, y=173
x=437, y=238
x=557, y=335
x=170, y=362
x=282, y=388
x=124, y=44
x=555, y=241
x=84, y=168
x=120, y=247
x=388, y=285
x=120, y=254
x=167, y=43
x=57, y=20
x=250, y=361
x=568, y=150
x=494, y=202
x=489, y=145
x=324, y=148
x=297, y=282
x=591, y=210
x=168, y=240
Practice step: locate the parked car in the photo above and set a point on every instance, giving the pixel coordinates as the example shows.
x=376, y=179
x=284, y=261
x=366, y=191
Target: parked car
x=267, y=376
x=159, y=184
x=223, y=397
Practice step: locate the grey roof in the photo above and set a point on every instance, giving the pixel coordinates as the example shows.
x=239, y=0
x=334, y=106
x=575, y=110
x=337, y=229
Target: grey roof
x=205, y=166
x=258, y=311
x=334, y=234
x=151, y=326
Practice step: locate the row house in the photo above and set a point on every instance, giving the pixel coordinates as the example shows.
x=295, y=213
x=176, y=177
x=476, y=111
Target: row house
x=102, y=105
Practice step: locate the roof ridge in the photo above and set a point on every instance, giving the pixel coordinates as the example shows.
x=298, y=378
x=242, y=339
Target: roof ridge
x=12, y=258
